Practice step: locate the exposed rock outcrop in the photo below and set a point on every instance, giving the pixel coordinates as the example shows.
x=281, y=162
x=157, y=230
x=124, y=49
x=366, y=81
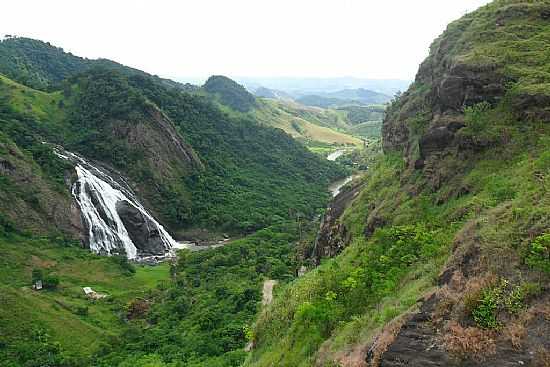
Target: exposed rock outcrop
x=333, y=236
x=453, y=78
x=30, y=200
x=440, y=334
x=142, y=231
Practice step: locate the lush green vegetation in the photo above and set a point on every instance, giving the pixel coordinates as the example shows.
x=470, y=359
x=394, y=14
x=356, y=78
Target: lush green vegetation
x=482, y=204
x=196, y=312
x=347, y=299
x=312, y=126
x=495, y=202
x=202, y=318
x=59, y=326
x=230, y=93
x=42, y=66
x=29, y=62
x=250, y=176
x=254, y=175
x=359, y=114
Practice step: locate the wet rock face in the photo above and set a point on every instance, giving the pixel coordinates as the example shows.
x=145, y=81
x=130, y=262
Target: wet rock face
x=98, y=204
x=142, y=231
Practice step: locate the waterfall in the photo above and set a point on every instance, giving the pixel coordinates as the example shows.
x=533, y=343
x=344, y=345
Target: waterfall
x=115, y=220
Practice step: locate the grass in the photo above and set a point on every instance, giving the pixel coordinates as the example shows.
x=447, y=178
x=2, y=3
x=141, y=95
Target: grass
x=503, y=35
x=502, y=184
x=59, y=312
x=367, y=129
x=24, y=100
x=306, y=123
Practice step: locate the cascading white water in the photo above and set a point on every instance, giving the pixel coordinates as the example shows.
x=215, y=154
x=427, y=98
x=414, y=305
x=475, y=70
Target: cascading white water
x=97, y=195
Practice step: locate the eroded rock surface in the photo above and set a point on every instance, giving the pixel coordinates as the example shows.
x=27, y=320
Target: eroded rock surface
x=142, y=231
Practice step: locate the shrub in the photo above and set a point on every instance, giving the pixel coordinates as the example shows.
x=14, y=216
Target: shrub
x=499, y=298
x=50, y=281
x=474, y=116
x=538, y=253
x=485, y=313
x=126, y=266
x=82, y=310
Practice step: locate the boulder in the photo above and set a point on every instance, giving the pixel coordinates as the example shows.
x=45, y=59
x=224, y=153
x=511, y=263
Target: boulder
x=142, y=231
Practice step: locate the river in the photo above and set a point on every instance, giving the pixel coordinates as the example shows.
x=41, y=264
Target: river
x=336, y=186
x=334, y=155
x=192, y=246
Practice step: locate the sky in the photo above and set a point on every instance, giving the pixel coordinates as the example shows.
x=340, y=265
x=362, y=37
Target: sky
x=381, y=39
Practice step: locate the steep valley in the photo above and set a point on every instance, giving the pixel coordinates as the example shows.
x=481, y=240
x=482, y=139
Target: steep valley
x=436, y=253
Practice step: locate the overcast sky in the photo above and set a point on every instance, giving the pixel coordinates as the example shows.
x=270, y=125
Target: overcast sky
x=311, y=38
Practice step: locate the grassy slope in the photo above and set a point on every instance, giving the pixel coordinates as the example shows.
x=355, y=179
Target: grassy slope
x=305, y=123
x=500, y=204
x=56, y=312
x=496, y=200
x=24, y=100
x=507, y=46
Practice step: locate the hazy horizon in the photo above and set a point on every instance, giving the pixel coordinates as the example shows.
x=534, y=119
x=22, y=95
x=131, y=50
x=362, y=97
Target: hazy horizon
x=242, y=38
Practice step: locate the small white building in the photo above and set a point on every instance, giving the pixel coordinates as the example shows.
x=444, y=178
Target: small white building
x=90, y=293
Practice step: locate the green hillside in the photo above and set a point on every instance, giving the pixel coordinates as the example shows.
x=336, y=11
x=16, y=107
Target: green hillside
x=230, y=93
x=306, y=124
x=103, y=112
x=42, y=66
x=437, y=255
x=192, y=163
x=60, y=327
x=343, y=98
x=447, y=254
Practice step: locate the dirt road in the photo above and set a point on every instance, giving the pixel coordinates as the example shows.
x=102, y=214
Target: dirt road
x=267, y=294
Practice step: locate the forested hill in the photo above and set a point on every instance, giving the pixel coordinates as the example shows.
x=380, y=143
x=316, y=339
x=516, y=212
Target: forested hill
x=193, y=164
x=230, y=93
x=40, y=65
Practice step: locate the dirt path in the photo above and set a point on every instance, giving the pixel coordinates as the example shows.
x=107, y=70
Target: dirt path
x=267, y=298
x=267, y=294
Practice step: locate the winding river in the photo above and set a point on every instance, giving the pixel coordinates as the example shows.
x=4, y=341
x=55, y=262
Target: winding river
x=336, y=186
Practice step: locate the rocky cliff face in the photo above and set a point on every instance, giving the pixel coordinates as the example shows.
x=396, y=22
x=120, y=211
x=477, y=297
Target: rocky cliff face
x=30, y=200
x=164, y=149
x=333, y=236
x=427, y=119
x=438, y=129
x=465, y=99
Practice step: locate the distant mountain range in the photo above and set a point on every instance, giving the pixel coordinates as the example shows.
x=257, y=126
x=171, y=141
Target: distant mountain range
x=336, y=99
x=298, y=87
x=344, y=97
